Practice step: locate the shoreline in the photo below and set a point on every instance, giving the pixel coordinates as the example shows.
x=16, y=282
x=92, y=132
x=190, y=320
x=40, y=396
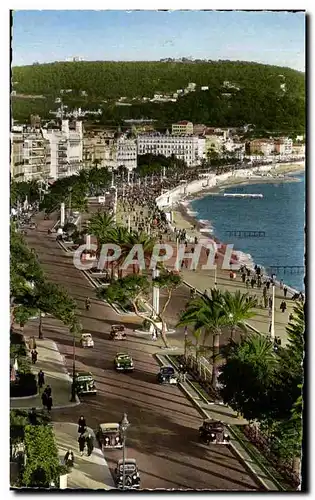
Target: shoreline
x=203, y=229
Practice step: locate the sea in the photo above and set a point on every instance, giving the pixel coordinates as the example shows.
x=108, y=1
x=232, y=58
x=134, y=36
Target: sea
x=279, y=217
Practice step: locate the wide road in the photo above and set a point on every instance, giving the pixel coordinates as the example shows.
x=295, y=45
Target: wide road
x=163, y=435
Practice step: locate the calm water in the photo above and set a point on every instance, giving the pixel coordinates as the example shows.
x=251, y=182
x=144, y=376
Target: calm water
x=280, y=214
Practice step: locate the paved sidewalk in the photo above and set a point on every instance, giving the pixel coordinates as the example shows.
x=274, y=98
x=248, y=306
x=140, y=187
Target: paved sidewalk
x=88, y=472
x=52, y=363
x=228, y=417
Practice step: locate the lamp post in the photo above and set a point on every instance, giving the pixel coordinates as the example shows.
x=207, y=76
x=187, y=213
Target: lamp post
x=73, y=390
x=124, y=424
x=272, y=330
x=70, y=191
x=185, y=344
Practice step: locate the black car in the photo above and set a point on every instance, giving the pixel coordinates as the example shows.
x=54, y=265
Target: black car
x=129, y=472
x=167, y=375
x=213, y=431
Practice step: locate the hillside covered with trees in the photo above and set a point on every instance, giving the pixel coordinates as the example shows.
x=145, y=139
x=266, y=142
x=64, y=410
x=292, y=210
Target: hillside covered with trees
x=257, y=94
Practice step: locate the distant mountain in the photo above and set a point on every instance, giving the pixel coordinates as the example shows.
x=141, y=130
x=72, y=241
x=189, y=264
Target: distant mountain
x=239, y=92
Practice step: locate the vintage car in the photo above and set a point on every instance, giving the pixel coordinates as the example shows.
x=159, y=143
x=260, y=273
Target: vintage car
x=167, y=375
x=123, y=362
x=84, y=383
x=129, y=472
x=213, y=431
x=109, y=436
x=117, y=332
x=86, y=340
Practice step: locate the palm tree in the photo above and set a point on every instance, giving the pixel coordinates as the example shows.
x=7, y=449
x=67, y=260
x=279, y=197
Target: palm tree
x=147, y=244
x=120, y=236
x=101, y=226
x=206, y=313
x=237, y=309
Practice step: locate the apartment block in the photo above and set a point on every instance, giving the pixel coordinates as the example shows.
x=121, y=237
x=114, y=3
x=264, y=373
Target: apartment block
x=262, y=146
x=66, y=147
x=183, y=128
x=283, y=146
x=191, y=149
x=30, y=154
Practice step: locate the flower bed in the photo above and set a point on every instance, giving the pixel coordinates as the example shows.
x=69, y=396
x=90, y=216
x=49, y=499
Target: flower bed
x=25, y=383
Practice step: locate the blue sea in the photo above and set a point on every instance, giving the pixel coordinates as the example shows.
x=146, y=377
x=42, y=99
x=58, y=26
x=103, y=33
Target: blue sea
x=279, y=215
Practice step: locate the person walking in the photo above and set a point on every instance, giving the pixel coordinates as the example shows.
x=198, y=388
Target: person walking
x=49, y=403
x=69, y=458
x=41, y=378
x=283, y=306
x=243, y=277
x=89, y=444
x=44, y=399
x=81, y=425
x=247, y=283
x=270, y=301
x=265, y=301
x=34, y=355
x=285, y=291
x=268, y=284
x=81, y=441
x=48, y=391
x=252, y=282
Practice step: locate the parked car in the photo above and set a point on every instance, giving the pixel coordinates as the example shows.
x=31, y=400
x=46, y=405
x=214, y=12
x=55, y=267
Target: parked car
x=128, y=469
x=86, y=340
x=117, y=332
x=167, y=375
x=123, y=362
x=84, y=383
x=109, y=436
x=213, y=431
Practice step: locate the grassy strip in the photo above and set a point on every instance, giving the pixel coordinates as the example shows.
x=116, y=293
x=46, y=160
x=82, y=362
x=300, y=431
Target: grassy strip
x=176, y=359
x=260, y=458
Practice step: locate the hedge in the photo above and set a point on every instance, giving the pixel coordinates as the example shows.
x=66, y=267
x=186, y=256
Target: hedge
x=42, y=461
x=25, y=385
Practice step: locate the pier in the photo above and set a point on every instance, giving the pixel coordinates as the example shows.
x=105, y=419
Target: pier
x=246, y=234
x=286, y=269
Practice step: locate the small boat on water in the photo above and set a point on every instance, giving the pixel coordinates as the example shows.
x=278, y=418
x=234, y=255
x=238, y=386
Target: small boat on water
x=244, y=195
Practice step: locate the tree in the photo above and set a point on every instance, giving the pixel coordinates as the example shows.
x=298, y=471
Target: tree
x=101, y=226
x=207, y=314
x=135, y=289
x=42, y=467
x=247, y=376
x=238, y=308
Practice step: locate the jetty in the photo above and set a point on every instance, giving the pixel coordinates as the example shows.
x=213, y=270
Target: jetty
x=243, y=195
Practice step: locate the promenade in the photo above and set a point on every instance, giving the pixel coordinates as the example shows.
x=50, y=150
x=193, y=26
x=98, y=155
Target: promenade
x=203, y=280
x=53, y=365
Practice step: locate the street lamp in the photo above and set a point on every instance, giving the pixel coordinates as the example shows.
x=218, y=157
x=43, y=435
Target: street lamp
x=70, y=191
x=185, y=344
x=272, y=329
x=124, y=424
x=73, y=388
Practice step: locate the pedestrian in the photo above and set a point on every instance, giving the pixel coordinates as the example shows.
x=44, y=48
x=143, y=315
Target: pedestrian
x=270, y=312
x=81, y=425
x=41, y=378
x=44, y=399
x=69, y=458
x=283, y=306
x=285, y=291
x=48, y=391
x=270, y=301
x=248, y=272
x=247, y=283
x=34, y=355
x=268, y=284
x=243, y=277
x=281, y=284
x=81, y=441
x=89, y=444
x=49, y=403
x=265, y=291
x=290, y=317
x=252, y=282
x=265, y=301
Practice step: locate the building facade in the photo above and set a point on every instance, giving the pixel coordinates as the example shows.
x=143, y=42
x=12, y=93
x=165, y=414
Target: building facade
x=262, y=146
x=30, y=155
x=191, y=149
x=66, y=147
x=126, y=153
x=99, y=149
x=283, y=146
x=183, y=128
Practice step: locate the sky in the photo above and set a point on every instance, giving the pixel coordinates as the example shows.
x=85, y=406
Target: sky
x=267, y=37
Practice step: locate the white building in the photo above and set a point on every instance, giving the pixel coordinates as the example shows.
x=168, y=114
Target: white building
x=191, y=149
x=30, y=155
x=126, y=154
x=283, y=146
x=66, y=147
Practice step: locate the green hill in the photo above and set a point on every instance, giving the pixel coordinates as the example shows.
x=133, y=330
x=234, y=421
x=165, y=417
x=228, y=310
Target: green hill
x=256, y=96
